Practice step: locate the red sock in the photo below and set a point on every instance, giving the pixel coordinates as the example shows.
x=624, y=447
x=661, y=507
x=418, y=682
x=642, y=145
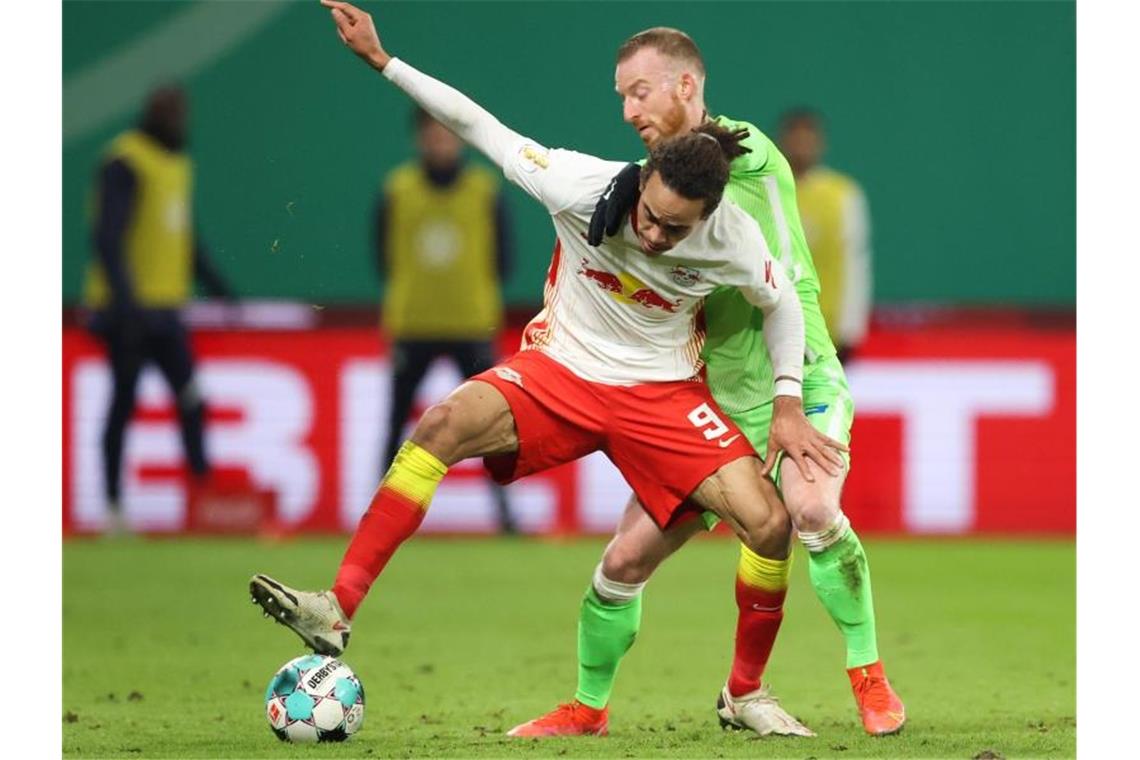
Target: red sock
x=758, y=621
x=390, y=520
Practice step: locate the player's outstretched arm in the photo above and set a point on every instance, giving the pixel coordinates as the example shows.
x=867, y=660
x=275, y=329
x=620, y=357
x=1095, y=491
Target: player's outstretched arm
x=463, y=116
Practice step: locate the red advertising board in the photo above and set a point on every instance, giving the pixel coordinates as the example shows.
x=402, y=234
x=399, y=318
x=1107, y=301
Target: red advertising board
x=959, y=429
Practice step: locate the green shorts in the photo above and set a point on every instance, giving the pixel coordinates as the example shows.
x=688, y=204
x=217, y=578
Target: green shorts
x=827, y=405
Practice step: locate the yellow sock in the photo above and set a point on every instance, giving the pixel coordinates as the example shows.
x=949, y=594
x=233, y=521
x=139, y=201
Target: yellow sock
x=761, y=572
x=414, y=474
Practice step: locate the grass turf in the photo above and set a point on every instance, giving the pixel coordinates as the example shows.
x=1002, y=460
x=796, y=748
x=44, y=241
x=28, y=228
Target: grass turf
x=164, y=656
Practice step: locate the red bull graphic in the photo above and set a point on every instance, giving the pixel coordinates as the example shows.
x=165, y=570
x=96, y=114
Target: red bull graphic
x=651, y=300
x=627, y=289
x=605, y=280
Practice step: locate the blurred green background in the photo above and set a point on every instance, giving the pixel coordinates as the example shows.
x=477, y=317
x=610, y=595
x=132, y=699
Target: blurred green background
x=959, y=119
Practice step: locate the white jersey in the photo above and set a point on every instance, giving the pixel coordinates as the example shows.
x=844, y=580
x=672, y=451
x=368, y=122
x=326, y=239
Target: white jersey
x=613, y=314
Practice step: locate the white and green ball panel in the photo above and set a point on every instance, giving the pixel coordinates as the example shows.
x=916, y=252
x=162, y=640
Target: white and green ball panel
x=314, y=698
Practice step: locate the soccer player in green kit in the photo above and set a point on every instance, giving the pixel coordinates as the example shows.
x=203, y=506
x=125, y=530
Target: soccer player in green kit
x=660, y=76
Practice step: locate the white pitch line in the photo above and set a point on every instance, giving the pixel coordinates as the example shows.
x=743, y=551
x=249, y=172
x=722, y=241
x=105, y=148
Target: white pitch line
x=175, y=49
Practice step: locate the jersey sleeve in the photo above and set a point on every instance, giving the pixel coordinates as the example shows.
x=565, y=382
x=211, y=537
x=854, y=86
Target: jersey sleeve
x=559, y=179
x=752, y=269
x=459, y=113
x=763, y=283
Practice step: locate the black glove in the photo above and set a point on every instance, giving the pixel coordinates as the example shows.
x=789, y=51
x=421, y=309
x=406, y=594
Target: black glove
x=615, y=204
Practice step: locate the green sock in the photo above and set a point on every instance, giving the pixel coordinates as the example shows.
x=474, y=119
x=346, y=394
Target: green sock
x=842, y=581
x=605, y=634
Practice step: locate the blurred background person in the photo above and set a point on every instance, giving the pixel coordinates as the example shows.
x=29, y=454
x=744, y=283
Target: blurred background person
x=146, y=257
x=837, y=224
x=443, y=245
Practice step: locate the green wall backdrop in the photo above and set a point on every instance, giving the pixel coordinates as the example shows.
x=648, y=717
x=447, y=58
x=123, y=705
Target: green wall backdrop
x=959, y=118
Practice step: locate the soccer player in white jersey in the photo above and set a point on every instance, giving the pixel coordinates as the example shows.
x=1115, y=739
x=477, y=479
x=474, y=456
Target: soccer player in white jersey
x=660, y=77
x=611, y=363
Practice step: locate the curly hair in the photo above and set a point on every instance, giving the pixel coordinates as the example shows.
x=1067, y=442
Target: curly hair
x=696, y=165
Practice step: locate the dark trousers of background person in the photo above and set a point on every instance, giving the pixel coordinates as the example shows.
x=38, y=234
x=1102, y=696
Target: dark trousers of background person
x=156, y=335
x=410, y=362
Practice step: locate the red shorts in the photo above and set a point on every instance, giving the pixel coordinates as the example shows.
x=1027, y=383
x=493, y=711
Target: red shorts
x=665, y=438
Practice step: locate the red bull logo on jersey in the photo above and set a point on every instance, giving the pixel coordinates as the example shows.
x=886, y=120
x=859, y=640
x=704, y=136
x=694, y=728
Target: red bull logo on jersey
x=627, y=289
x=685, y=276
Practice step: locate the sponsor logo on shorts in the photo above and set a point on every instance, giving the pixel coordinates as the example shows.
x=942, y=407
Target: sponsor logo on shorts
x=726, y=442
x=817, y=409
x=510, y=375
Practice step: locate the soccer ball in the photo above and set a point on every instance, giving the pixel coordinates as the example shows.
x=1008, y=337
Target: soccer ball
x=314, y=698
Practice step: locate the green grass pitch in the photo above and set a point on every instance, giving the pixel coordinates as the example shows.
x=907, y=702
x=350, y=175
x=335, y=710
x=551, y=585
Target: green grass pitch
x=164, y=656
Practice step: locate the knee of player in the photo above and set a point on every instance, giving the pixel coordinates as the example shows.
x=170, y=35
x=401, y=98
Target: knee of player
x=616, y=590
x=436, y=430
x=625, y=564
x=812, y=512
x=770, y=537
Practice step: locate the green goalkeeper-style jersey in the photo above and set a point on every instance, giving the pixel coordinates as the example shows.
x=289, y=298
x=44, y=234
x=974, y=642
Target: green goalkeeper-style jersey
x=737, y=365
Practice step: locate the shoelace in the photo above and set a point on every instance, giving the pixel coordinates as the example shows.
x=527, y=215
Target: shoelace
x=873, y=693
